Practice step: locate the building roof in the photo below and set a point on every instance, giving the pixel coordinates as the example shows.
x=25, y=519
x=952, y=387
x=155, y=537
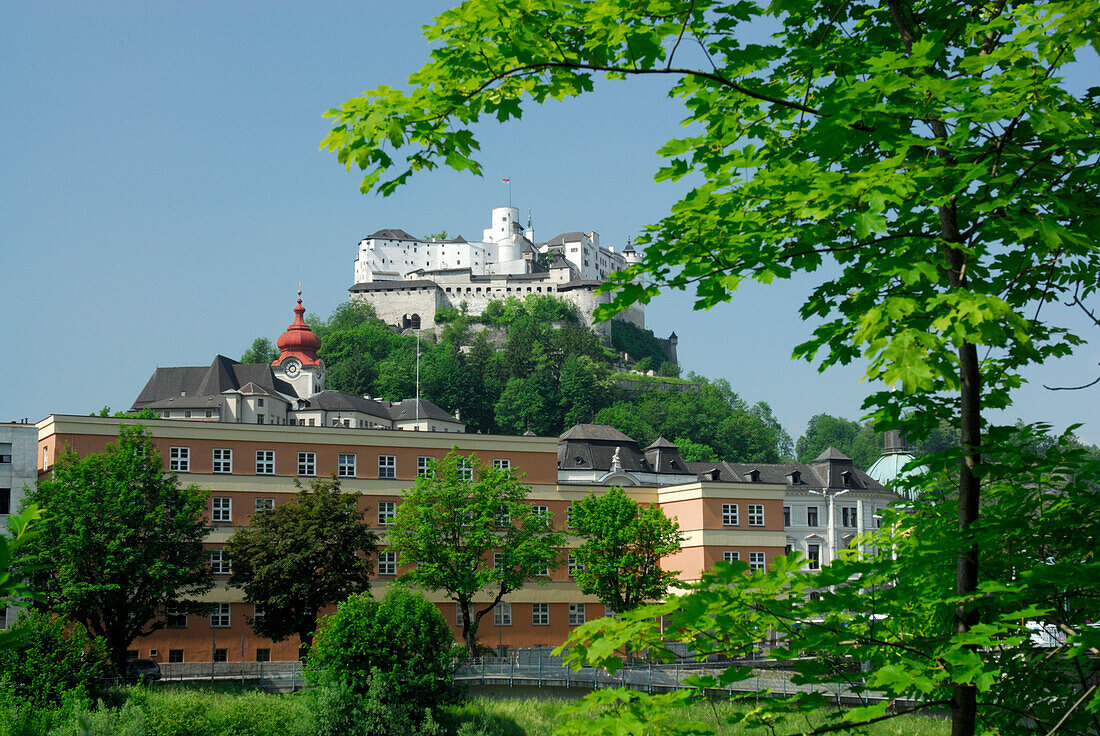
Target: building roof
x=202, y=386
x=404, y=410
x=562, y=238
x=340, y=401
x=599, y=432
x=807, y=475
x=831, y=453
x=394, y=285
x=298, y=341
x=390, y=234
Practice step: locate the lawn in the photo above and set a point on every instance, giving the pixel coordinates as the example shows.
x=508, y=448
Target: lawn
x=168, y=710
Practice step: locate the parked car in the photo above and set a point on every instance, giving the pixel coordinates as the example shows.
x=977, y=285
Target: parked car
x=142, y=670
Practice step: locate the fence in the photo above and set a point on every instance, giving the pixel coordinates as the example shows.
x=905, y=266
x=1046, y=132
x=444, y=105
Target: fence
x=278, y=676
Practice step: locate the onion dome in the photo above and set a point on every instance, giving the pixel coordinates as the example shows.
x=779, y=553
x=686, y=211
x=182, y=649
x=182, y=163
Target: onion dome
x=298, y=341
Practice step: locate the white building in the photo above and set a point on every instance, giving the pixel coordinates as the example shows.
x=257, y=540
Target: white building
x=18, y=474
x=289, y=391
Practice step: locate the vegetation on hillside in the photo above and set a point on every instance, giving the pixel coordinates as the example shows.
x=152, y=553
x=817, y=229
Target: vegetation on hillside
x=532, y=365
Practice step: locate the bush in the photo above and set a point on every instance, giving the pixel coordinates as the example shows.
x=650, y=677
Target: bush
x=400, y=647
x=341, y=711
x=52, y=662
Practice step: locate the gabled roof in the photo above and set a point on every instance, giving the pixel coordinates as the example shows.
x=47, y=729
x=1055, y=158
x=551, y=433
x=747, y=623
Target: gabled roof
x=780, y=473
x=202, y=386
x=405, y=410
x=598, y=432
x=562, y=238
x=340, y=401
x=390, y=234
x=662, y=444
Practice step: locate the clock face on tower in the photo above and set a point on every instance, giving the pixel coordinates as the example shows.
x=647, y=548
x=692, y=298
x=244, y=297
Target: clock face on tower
x=291, y=368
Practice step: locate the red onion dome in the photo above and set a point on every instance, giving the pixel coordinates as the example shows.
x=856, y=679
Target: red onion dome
x=298, y=340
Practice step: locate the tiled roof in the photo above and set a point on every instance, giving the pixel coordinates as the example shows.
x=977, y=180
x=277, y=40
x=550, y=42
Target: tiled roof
x=202, y=386
x=390, y=234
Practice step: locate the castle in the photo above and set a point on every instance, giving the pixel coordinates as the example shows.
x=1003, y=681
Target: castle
x=408, y=279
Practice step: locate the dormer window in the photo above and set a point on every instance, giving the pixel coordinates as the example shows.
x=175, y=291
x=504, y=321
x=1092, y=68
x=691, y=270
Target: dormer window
x=847, y=479
x=753, y=476
x=794, y=478
x=579, y=460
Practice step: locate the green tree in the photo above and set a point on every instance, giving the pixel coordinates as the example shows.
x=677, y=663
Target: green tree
x=623, y=545
x=930, y=153
x=450, y=525
x=120, y=541
x=529, y=404
x=14, y=587
x=402, y=638
x=261, y=351
x=585, y=389
x=298, y=557
x=52, y=661
x=858, y=441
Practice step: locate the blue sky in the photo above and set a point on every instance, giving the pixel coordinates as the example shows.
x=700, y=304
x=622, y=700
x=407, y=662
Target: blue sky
x=163, y=193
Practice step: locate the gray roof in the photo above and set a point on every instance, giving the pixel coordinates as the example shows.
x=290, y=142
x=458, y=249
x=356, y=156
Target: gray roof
x=600, y=432
x=783, y=474
x=391, y=234
x=202, y=386
x=393, y=285
x=831, y=453
x=405, y=410
x=562, y=238
x=340, y=401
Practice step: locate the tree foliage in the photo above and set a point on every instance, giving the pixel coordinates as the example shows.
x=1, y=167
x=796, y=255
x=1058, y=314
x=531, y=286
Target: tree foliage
x=52, y=661
x=260, y=351
x=858, y=441
x=623, y=544
x=300, y=556
x=454, y=522
x=14, y=587
x=931, y=155
x=402, y=638
x=120, y=541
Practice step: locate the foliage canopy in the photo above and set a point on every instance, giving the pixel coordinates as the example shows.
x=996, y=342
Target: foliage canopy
x=930, y=154
x=120, y=541
x=300, y=556
x=467, y=529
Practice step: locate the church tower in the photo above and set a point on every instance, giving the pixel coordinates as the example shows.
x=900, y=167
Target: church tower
x=298, y=363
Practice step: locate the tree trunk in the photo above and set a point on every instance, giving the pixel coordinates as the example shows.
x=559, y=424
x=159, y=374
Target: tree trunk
x=964, y=701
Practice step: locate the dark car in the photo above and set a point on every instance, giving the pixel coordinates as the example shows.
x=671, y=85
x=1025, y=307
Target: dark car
x=142, y=670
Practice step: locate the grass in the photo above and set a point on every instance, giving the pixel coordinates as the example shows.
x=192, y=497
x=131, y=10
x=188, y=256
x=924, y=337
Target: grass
x=168, y=710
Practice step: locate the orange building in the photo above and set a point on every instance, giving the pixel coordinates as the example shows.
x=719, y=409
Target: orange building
x=246, y=467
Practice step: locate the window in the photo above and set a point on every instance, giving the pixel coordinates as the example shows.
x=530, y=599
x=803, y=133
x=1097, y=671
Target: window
x=179, y=459
x=503, y=516
x=175, y=655
x=729, y=514
x=465, y=469
x=5, y=500
x=257, y=611
x=502, y=614
x=175, y=619
x=307, y=463
x=387, y=466
x=756, y=560
x=221, y=508
x=187, y=414
x=786, y=516
x=223, y=461
x=498, y=560
x=756, y=514
x=731, y=556
x=209, y=413
x=220, y=564
x=387, y=563
x=345, y=465
x=386, y=511
x=788, y=549
x=259, y=419
x=813, y=554
x=540, y=513
x=540, y=614
x=259, y=402
x=576, y=614
x=265, y=504
x=848, y=516
x=263, y=655
x=569, y=516
x=424, y=466
x=221, y=655
x=219, y=616
x=811, y=516
x=502, y=464
x=46, y=454
x=265, y=462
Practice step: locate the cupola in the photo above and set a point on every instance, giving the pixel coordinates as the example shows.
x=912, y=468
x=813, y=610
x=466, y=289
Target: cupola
x=298, y=341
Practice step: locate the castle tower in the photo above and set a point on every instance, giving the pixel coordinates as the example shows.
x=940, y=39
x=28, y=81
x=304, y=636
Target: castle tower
x=504, y=224
x=298, y=363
